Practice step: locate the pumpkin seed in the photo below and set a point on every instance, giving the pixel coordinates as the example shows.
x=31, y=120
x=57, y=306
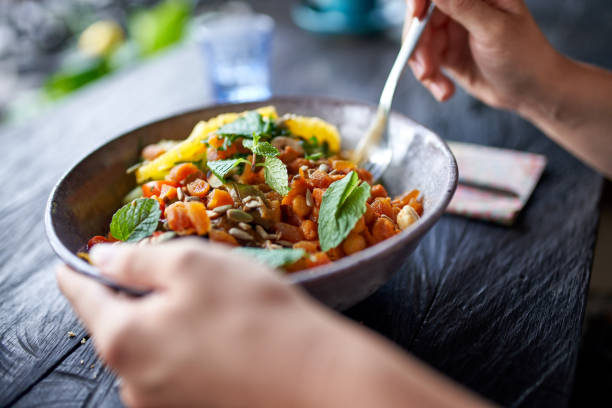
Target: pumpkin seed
x=238, y=215
x=192, y=198
x=285, y=243
x=180, y=195
x=261, y=231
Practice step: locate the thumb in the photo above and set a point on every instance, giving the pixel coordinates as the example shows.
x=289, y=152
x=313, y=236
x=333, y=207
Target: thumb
x=129, y=265
x=478, y=17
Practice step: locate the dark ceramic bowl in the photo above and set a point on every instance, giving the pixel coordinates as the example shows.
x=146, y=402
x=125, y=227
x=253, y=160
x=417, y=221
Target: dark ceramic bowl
x=82, y=203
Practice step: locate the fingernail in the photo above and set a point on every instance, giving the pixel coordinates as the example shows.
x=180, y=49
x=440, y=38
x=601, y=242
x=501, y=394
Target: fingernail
x=419, y=68
x=102, y=254
x=437, y=90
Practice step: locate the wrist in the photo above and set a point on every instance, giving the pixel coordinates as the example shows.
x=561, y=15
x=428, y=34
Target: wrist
x=547, y=100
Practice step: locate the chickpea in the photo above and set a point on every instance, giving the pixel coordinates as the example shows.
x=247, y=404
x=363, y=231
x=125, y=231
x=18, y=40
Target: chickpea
x=299, y=206
x=353, y=243
x=359, y=227
x=309, y=229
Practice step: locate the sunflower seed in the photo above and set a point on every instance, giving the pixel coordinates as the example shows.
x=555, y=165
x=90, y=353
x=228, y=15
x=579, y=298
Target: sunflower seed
x=261, y=231
x=270, y=245
x=333, y=172
x=179, y=194
x=240, y=234
x=253, y=204
x=284, y=243
x=192, y=198
x=304, y=167
x=212, y=215
x=324, y=168
x=244, y=226
x=309, y=200
x=166, y=236
x=223, y=208
x=239, y=215
x=247, y=199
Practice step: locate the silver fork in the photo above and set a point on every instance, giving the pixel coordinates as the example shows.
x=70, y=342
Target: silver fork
x=373, y=151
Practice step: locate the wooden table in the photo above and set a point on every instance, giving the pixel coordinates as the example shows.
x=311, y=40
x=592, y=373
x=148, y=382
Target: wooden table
x=497, y=309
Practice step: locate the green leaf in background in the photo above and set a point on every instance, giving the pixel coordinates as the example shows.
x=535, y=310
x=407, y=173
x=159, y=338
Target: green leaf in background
x=276, y=175
x=274, y=258
x=74, y=73
x=159, y=27
x=245, y=126
x=136, y=220
x=343, y=204
x=260, y=148
x=221, y=168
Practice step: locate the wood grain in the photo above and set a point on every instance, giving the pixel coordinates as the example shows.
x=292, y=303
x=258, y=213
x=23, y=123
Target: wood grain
x=498, y=309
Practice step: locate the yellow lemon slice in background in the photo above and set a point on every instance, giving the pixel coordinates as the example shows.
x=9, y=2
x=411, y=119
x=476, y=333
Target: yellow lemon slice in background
x=191, y=149
x=307, y=127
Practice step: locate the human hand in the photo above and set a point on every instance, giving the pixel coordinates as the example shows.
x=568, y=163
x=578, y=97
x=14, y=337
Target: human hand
x=218, y=330
x=493, y=49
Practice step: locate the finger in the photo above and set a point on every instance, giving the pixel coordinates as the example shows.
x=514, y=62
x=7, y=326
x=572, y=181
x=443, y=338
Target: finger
x=440, y=86
x=477, y=16
x=457, y=48
x=139, y=267
x=423, y=61
x=415, y=8
x=93, y=302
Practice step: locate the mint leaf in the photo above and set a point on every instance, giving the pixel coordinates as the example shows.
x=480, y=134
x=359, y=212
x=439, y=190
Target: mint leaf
x=260, y=148
x=251, y=122
x=136, y=220
x=220, y=168
x=343, y=204
x=273, y=258
x=276, y=175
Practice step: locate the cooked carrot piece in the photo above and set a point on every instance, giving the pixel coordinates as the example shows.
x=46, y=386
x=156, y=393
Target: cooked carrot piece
x=222, y=237
x=378, y=191
x=317, y=195
x=405, y=199
x=98, y=239
x=317, y=259
x=344, y=166
x=364, y=175
x=308, y=246
x=178, y=218
x=335, y=253
x=198, y=217
x=154, y=187
x=181, y=171
x=382, y=206
x=319, y=179
x=298, y=186
x=218, y=198
x=289, y=232
x=168, y=193
x=198, y=188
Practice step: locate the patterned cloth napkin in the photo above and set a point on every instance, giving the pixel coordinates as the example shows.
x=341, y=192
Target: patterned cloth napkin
x=494, y=184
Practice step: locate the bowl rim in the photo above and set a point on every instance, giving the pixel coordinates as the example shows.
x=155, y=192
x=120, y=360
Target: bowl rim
x=309, y=276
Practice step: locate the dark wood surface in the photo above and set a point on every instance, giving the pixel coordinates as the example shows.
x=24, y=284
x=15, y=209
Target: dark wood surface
x=498, y=309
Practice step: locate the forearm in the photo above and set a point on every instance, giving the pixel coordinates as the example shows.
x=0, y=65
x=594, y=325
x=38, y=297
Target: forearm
x=364, y=370
x=574, y=107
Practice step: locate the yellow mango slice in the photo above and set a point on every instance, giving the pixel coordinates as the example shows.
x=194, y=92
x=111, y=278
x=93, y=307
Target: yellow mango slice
x=192, y=148
x=307, y=127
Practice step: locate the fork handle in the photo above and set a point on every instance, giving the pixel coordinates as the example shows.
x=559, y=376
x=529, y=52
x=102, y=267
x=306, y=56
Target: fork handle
x=408, y=46
x=379, y=125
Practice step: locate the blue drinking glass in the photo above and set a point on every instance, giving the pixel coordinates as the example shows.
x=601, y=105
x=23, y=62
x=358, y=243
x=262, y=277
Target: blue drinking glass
x=237, y=49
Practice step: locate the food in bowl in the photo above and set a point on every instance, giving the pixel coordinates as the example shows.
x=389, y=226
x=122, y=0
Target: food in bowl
x=279, y=188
